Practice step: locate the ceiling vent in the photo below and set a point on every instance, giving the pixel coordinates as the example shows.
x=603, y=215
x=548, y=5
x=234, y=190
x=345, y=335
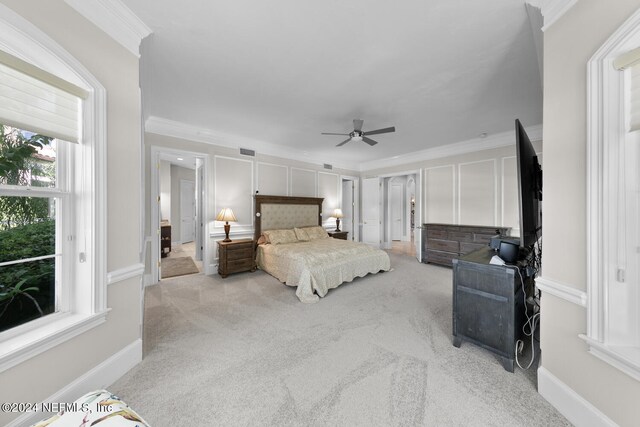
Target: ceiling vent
x=326, y=166
x=248, y=152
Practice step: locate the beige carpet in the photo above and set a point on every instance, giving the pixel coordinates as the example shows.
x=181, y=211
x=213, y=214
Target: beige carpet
x=172, y=267
x=243, y=351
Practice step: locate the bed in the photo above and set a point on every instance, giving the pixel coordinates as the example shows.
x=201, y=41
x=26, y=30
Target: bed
x=313, y=264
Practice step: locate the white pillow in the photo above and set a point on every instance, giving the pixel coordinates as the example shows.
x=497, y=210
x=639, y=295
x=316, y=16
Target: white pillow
x=301, y=234
x=316, y=232
x=279, y=237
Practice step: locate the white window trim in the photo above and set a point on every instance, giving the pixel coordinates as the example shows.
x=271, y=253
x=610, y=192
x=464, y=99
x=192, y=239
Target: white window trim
x=605, y=115
x=25, y=41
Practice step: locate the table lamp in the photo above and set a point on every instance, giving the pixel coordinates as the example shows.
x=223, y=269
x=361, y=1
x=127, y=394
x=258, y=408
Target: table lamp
x=226, y=215
x=337, y=214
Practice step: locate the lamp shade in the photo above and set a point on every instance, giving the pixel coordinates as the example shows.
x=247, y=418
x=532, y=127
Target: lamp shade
x=337, y=213
x=226, y=214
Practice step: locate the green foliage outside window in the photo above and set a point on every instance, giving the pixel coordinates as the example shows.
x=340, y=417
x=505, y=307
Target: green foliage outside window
x=18, y=166
x=27, y=230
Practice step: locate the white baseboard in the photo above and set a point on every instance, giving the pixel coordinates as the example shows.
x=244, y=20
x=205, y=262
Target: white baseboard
x=574, y=407
x=102, y=376
x=148, y=280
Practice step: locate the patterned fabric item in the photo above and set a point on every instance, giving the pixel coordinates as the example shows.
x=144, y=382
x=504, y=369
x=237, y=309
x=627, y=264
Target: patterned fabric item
x=279, y=237
x=316, y=232
x=99, y=408
x=322, y=264
x=301, y=234
x=285, y=216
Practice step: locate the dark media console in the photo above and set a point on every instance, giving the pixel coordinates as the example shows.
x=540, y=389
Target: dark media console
x=488, y=303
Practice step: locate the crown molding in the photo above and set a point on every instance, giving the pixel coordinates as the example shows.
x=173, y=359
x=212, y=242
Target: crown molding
x=115, y=19
x=552, y=10
x=499, y=140
x=161, y=126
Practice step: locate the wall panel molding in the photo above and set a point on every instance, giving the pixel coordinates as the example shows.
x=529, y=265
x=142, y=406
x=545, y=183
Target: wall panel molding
x=493, y=183
x=428, y=213
x=128, y=272
x=233, y=189
x=296, y=182
x=271, y=188
x=563, y=291
x=330, y=192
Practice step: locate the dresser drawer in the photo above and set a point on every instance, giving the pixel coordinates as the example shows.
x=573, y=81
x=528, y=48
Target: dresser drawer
x=444, y=258
x=239, y=265
x=443, y=245
x=234, y=254
x=461, y=236
x=240, y=246
x=436, y=234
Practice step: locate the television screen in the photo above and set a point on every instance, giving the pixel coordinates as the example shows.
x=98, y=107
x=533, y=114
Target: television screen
x=529, y=189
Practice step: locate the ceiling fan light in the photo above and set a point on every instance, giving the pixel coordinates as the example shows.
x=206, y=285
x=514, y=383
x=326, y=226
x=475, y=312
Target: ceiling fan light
x=356, y=138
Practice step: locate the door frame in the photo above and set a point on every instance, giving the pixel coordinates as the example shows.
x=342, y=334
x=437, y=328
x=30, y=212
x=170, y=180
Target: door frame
x=356, y=204
x=155, y=207
x=419, y=177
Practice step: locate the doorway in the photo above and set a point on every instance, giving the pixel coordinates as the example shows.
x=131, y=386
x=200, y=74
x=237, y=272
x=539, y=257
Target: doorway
x=400, y=213
x=350, y=205
x=178, y=208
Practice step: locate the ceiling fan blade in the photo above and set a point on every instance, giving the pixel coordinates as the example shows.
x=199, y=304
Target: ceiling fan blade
x=343, y=134
x=369, y=140
x=377, y=131
x=357, y=124
x=343, y=142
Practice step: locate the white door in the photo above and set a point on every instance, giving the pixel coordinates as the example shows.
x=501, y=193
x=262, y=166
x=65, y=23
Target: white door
x=417, y=217
x=199, y=196
x=187, y=211
x=396, y=211
x=371, y=211
x=347, y=208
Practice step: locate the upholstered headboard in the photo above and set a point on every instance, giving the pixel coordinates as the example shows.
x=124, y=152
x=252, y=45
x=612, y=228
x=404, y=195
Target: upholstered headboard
x=279, y=212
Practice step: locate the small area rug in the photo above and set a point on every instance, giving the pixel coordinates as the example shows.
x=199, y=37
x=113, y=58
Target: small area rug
x=172, y=267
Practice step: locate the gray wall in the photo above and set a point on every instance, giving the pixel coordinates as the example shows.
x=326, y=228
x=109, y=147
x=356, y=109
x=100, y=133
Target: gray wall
x=568, y=46
x=233, y=180
x=478, y=188
x=117, y=70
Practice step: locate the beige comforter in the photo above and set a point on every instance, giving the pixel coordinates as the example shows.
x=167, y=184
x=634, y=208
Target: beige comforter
x=319, y=265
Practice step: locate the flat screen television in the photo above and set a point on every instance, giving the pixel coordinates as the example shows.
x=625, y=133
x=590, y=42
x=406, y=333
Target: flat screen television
x=529, y=189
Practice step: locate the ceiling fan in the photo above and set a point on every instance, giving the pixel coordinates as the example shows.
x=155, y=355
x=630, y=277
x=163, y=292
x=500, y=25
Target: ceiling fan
x=359, y=135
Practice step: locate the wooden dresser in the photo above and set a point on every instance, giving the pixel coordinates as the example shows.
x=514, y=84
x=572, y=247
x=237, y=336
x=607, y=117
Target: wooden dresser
x=441, y=243
x=236, y=256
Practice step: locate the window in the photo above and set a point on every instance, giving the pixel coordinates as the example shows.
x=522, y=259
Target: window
x=52, y=225
x=31, y=244
x=613, y=331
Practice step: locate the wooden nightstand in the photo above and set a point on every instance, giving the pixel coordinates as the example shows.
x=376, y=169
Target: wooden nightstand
x=342, y=235
x=236, y=256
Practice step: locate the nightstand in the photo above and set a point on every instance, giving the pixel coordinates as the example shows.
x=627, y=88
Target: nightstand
x=236, y=256
x=342, y=235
